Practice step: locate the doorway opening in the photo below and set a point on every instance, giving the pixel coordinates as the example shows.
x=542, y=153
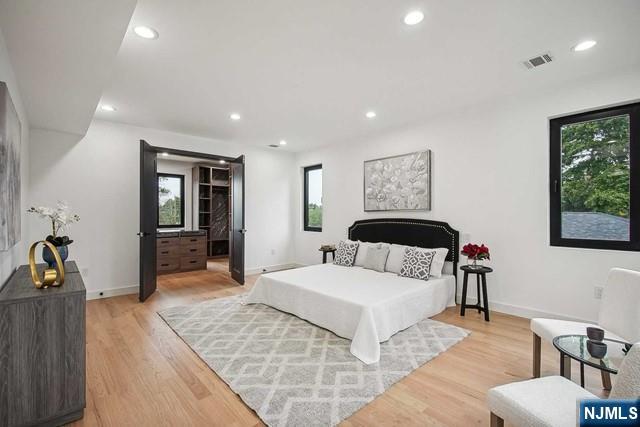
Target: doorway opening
x=191, y=219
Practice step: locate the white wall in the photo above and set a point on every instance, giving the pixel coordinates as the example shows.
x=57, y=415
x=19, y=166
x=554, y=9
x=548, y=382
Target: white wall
x=181, y=168
x=99, y=177
x=15, y=256
x=490, y=181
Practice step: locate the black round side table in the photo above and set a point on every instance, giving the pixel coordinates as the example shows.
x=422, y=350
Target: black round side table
x=481, y=276
x=328, y=250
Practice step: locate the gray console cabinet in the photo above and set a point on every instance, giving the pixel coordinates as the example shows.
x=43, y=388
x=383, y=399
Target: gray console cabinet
x=42, y=350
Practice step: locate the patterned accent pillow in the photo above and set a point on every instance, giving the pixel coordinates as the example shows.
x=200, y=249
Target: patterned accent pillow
x=346, y=253
x=417, y=263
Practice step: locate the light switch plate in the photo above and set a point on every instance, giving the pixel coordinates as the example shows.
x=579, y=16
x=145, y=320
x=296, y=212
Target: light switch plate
x=597, y=292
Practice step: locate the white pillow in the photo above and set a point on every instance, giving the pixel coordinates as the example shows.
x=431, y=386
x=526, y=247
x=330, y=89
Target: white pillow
x=394, y=260
x=362, y=253
x=376, y=258
x=437, y=265
x=448, y=267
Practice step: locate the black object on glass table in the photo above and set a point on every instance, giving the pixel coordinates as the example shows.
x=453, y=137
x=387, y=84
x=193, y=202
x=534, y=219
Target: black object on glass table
x=597, y=349
x=595, y=334
x=582, y=349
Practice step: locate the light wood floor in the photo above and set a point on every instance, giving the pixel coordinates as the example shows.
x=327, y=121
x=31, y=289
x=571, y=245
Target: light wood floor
x=218, y=264
x=140, y=373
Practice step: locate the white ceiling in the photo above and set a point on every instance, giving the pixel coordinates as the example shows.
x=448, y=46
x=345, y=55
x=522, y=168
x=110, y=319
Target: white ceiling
x=301, y=70
x=62, y=53
x=307, y=71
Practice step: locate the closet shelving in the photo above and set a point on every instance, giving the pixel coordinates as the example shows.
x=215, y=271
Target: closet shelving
x=213, y=207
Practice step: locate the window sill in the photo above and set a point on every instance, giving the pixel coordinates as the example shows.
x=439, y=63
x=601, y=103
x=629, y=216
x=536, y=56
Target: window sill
x=596, y=244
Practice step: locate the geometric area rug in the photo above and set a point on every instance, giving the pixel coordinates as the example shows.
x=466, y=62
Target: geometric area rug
x=293, y=373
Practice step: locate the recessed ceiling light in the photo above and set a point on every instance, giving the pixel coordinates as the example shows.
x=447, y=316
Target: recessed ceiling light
x=165, y=154
x=234, y=116
x=587, y=44
x=371, y=114
x=414, y=17
x=222, y=162
x=107, y=107
x=146, y=32
x=283, y=142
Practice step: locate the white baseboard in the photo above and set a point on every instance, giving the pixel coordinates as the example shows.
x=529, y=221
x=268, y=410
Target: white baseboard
x=271, y=268
x=113, y=292
x=526, y=312
x=128, y=290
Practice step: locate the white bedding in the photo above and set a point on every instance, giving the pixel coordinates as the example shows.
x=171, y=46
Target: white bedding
x=362, y=305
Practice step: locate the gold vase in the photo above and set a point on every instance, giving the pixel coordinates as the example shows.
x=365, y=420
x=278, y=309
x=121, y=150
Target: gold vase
x=51, y=276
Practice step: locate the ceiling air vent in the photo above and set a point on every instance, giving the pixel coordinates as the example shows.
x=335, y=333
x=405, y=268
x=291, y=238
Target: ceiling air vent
x=538, y=61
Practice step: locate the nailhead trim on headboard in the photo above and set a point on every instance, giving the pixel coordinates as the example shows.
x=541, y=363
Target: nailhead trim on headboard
x=453, y=236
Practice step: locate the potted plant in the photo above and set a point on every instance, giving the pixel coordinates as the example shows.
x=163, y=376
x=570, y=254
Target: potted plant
x=60, y=218
x=475, y=253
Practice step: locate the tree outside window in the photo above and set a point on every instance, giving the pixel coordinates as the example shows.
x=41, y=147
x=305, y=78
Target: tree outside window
x=593, y=168
x=313, y=198
x=170, y=200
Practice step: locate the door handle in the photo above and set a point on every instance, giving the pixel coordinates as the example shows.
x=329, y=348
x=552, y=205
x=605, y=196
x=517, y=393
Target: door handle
x=242, y=230
x=142, y=234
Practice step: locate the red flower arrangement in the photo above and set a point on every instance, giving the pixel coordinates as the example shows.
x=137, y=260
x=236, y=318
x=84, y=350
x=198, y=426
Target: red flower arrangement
x=475, y=252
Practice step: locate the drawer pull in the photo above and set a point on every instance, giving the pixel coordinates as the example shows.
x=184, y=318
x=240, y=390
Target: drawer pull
x=164, y=252
x=194, y=240
x=192, y=262
x=164, y=241
x=193, y=250
x=164, y=265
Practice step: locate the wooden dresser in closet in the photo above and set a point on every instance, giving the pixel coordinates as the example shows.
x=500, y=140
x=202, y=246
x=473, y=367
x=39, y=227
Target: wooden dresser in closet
x=181, y=251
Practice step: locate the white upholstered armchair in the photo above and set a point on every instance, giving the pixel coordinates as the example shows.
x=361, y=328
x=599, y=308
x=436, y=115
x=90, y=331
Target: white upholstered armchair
x=552, y=401
x=619, y=316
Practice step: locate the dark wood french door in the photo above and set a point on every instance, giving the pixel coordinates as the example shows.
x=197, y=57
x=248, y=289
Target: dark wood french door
x=149, y=214
x=236, y=259
x=148, y=219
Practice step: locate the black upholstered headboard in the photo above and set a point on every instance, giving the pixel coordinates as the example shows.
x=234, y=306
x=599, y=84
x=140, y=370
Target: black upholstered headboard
x=410, y=232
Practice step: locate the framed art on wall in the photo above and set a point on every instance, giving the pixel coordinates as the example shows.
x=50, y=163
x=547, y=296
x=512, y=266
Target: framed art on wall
x=398, y=183
x=10, y=134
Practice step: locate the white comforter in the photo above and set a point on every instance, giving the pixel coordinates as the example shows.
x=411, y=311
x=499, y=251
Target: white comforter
x=365, y=306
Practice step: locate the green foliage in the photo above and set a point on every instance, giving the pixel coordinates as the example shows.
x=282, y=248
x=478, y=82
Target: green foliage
x=169, y=209
x=595, y=166
x=315, y=215
x=162, y=186
x=170, y=212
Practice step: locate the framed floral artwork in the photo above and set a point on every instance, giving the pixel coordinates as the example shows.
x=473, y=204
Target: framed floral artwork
x=398, y=183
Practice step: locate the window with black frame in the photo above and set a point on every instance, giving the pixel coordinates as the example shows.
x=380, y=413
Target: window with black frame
x=312, y=198
x=595, y=179
x=170, y=200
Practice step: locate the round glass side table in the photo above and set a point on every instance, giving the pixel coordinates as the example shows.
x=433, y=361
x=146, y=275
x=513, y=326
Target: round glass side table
x=575, y=347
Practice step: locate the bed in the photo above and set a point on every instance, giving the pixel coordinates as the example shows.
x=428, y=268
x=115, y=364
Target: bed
x=366, y=306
